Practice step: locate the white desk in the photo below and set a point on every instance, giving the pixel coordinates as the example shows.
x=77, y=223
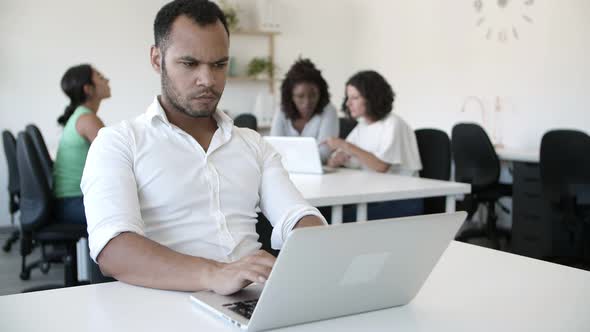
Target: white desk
x=346, y=186
x=510, y=154
x=471, y=289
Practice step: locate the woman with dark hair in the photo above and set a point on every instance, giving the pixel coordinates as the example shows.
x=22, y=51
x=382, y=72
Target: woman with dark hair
x=381, y=142
x=305, y=106
x=86, y=88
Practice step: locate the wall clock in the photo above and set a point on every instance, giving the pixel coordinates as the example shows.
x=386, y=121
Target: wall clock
x=500, y=20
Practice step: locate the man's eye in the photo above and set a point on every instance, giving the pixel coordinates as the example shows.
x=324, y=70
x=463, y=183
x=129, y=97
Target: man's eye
x=188, y=64
x=220, y=65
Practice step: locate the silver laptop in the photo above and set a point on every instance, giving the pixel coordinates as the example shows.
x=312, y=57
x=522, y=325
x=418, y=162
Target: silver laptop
x=299, y=154
x=338, y=270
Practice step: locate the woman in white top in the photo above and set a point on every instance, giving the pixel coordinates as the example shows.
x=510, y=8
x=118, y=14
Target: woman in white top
x=305, y=106
x=382, y=141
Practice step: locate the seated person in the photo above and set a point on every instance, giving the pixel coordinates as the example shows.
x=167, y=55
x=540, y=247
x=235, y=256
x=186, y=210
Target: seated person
x=381, y=142
x=305, y=106
x=86, y=87
x=171, y=196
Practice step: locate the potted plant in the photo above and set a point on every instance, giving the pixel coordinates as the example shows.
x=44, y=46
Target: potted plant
x=231, y=15
x=260, y=68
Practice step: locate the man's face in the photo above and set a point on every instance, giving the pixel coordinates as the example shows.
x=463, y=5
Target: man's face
x=193, y=68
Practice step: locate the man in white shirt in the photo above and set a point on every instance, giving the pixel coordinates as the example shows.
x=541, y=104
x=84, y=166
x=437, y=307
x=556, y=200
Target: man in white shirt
x=171, y=196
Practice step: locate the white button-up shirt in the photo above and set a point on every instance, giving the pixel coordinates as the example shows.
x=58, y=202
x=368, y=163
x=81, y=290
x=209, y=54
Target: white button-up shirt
x=391, y=140
x=149, y=177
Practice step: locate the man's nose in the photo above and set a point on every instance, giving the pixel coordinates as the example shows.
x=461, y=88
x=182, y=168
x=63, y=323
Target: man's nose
x=205, y=76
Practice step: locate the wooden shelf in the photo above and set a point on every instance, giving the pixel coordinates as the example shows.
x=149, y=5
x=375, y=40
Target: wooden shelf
x=269, y=35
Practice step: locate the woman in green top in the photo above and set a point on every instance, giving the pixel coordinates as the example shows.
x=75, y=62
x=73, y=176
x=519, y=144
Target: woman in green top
x=86, y=88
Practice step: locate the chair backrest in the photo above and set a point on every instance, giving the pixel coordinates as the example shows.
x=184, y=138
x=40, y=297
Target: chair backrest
x=35, y=195
x=246, y=120
x=346, y=126
x=435, y=153
x=10, y=151
x=42, y=152
x=476, y=161
x=565, y=161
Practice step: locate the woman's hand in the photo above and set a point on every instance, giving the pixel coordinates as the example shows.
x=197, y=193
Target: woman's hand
x=335, y=143
x=338, y=159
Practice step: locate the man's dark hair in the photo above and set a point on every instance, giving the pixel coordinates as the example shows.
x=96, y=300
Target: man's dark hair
x=377, y=92
x=202, y=12
x=303, y=71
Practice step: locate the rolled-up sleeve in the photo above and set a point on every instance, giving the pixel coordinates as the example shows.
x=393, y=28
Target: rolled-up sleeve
x=110, y=191
x=280, y=201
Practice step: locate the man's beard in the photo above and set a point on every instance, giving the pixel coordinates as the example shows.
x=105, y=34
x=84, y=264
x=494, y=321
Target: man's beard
x=182, y=104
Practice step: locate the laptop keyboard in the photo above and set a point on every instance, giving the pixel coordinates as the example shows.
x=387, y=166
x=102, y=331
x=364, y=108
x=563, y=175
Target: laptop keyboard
x=243, y=308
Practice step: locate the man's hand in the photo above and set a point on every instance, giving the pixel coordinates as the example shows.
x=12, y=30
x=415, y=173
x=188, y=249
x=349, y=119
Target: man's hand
x=229, y=278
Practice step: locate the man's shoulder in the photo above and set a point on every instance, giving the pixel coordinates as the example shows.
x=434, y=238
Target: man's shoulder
x=125, y=130
x=251, y=138
x=246, y=133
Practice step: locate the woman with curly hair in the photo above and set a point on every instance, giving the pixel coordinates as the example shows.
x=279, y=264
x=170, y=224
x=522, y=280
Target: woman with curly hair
x=305, y=106
x=381, y=142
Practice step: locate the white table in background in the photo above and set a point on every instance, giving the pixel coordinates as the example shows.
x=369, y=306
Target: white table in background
x=346, y=186
x=518, y=155
x=470, y=289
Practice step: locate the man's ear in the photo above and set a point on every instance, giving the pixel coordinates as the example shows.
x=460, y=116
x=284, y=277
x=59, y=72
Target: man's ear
x=156, y=59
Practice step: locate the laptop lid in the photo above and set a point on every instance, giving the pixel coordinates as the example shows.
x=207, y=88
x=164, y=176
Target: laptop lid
x=327, y=272
x=298, y=154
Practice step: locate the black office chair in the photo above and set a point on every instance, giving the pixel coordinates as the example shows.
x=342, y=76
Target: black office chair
x=13, y=185
x=346, y=126
x=42, y=152
x=435, y=153
x=477, y=163
x=565, y=180
x=246, y=120
x=37, y=224
x=264, y=230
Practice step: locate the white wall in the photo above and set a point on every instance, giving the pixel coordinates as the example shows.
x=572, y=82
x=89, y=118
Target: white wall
x=313, y=29
x=429, y=50
x=433, y=54
x=40, y=39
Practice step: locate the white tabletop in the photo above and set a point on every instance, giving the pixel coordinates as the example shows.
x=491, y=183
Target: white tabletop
x=471, y=289
x=346, y=186
x=512, y=154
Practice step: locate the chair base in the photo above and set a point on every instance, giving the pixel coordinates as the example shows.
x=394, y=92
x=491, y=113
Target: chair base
x=11, y=241
x=490, y=231
x=44, y=264
x=483, y=233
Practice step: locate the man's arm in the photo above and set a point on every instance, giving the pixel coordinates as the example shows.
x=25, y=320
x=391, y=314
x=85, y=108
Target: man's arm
x=309, y=221
x=280, y=201
x=116, y=230
x=136, y=260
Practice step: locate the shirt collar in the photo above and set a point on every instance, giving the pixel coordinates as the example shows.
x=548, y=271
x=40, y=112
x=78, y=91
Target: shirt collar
x=224, y=122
